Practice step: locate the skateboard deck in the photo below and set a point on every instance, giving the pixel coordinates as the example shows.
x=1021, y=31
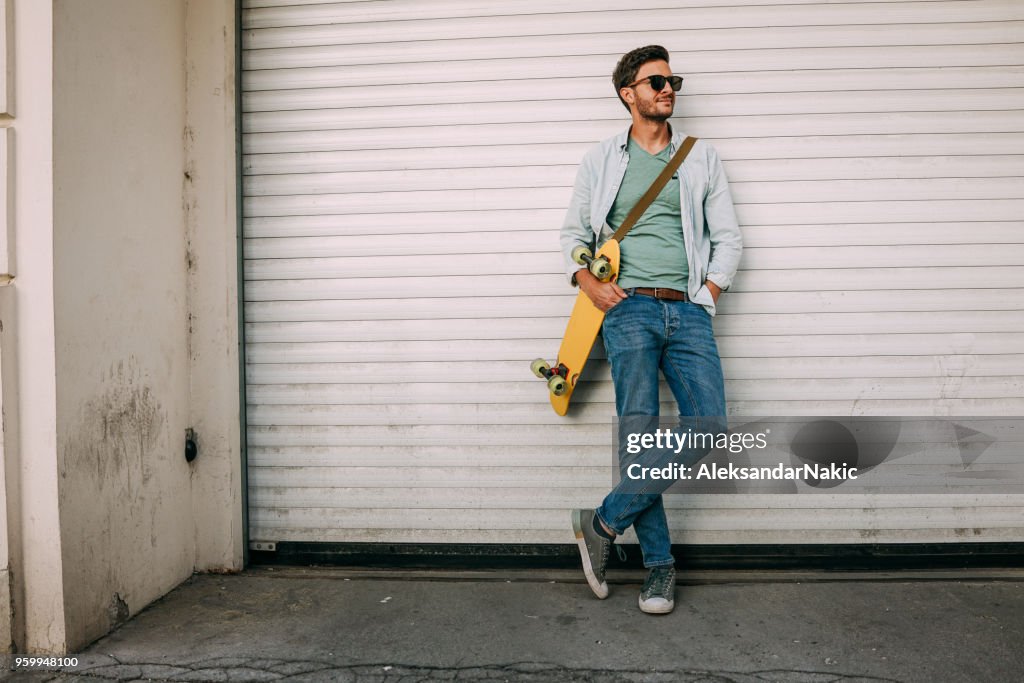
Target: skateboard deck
x=580, y=334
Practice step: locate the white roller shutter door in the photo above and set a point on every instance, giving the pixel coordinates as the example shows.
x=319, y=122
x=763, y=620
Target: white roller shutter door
x=407, y=165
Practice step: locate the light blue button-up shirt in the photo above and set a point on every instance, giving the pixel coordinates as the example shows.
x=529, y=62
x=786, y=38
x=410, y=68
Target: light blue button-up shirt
x=712, y=234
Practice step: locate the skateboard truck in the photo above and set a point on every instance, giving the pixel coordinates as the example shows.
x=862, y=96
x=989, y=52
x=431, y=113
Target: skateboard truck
x=557, y=382
x=599, y=267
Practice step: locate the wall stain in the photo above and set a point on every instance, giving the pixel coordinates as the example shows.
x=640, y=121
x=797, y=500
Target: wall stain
x=118, y=610
x=112, y=451
x=117, y=432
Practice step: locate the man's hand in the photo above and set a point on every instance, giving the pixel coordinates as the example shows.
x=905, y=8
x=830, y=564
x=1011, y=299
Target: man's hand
x=714, y=289
x=604, y=295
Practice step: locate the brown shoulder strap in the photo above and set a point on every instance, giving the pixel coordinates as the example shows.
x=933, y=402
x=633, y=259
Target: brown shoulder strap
x=654, y=190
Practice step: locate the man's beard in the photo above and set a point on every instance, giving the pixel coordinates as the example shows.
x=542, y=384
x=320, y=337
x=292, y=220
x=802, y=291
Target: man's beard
x=649, y=111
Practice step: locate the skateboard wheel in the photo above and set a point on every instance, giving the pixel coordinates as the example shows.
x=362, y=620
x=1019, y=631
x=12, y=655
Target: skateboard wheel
x=557, y=385
x=581, y=255
x=540, y=367
x=601, y=269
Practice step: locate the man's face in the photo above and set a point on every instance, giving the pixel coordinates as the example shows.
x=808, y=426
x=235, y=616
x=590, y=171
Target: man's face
x=655, y=106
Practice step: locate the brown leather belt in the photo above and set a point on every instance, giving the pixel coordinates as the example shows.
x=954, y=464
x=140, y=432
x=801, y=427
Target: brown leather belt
x=662, y=293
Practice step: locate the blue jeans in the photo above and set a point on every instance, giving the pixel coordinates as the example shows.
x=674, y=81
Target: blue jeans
x=643, y=335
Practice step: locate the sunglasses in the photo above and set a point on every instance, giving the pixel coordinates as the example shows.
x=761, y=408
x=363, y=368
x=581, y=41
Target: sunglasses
x=658, y=82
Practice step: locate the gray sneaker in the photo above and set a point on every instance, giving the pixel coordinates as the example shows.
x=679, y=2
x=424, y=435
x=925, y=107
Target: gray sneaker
x=657, y=595
x=594, y=550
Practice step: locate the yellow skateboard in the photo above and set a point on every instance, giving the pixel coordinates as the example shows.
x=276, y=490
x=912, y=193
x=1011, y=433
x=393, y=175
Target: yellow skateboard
x=580, y=333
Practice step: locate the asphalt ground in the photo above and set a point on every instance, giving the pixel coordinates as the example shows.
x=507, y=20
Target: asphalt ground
x=323, y=624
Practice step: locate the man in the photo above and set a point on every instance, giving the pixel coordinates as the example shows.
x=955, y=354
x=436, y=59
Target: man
x=677, y=260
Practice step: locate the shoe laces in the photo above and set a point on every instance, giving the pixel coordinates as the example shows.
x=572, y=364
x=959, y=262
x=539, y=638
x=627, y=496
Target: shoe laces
x=606, y=548
x=660, y=581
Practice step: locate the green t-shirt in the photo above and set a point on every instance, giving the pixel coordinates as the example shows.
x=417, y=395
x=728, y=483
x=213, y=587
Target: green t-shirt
x=653, y=253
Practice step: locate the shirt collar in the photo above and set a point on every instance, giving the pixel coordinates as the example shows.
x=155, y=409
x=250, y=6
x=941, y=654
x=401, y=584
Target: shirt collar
x=622, y=139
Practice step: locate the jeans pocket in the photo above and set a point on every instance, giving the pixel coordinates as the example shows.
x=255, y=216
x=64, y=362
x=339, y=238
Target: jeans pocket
x=617, y=308
x=612, y=327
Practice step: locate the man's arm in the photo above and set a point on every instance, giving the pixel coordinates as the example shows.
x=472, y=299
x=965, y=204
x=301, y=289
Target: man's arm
x=577, y=231
x=724, y=229
x=714, y=289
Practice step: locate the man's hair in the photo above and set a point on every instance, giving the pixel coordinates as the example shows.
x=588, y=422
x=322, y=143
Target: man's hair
x=625, y=70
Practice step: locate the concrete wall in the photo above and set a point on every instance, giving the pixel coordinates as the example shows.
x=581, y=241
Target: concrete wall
x=30, y=406
x=145, y=303
x=120, y=330
x=120, y=306
x=7, y=368
x=212, y=244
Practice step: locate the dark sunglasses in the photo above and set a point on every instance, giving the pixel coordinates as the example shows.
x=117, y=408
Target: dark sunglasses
x=658, y=82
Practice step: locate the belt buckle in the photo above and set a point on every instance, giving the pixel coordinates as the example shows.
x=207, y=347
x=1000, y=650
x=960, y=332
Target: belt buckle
x=656, y=293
